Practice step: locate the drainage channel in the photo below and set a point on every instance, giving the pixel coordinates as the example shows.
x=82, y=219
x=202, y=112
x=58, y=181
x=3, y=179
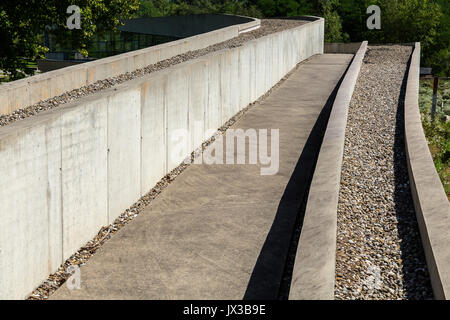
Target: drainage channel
x=379, y=252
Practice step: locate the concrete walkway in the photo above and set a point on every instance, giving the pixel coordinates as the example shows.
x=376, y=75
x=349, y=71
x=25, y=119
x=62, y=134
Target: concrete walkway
x=223, y=231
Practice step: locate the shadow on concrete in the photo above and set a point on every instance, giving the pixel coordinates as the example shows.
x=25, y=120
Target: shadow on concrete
x=272, y=274
x=416, y=280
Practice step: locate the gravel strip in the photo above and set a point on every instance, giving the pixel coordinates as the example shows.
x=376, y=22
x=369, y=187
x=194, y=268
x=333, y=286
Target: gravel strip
x=379, y=252
x=268, y=26
x=57, y=279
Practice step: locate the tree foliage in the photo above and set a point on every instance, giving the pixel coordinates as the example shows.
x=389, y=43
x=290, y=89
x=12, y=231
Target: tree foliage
x=22, y=23
x=427, y=21
x=158, y=8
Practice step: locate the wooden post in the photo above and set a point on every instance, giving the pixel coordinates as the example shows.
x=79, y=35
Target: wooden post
x=433, y=106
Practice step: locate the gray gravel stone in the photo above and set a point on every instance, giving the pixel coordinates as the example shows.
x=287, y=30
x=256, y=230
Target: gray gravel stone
x=379, y=252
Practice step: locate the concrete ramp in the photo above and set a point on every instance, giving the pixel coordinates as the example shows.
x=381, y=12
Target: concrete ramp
x=224, y=231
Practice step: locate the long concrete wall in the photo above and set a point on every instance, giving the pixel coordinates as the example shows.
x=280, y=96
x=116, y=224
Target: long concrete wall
x=430, y=201
x=25, y=92
x=69, y=171
x=313, y=275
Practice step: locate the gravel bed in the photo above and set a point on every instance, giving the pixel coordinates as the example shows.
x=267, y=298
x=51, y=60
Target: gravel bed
x=379, y=252
x=268, y=26
x=57, y=279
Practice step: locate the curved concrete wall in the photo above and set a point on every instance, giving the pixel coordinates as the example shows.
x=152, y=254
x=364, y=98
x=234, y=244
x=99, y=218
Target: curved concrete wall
x=25, y=92
x=314, y=268
x=68, y=171
x=430, y=201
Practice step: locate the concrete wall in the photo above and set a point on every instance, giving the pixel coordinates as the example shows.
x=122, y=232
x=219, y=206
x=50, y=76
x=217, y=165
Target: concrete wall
x=430, y=201
x=25, y=92
x=314, y=268
x=68, y=171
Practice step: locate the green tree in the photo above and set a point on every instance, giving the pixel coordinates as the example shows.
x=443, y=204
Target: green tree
x=278, y=8
x=353, y=16
x=156, y=8
x=438, y=55
x=328, y=10
x=22, y=23
x=404, y=21
x=407, y=21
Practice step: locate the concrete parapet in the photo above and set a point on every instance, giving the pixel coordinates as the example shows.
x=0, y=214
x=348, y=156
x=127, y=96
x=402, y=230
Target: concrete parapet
x=314, y=269
x=25, y=92
x=430, y=201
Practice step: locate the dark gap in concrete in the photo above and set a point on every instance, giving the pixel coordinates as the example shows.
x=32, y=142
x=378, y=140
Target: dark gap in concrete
x=272, y=274
x=415, y=272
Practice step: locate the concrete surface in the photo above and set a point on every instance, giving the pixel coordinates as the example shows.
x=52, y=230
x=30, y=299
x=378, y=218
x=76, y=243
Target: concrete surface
x=31, y=192
x=222, y=231
x=124, y=151
x=430, y=201
x=153, y=132
x=314, y=269
x=84, y=176
x=139, y=122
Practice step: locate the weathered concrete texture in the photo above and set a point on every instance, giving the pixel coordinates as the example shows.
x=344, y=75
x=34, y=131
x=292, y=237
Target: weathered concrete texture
x=153, y=132
x=124, y=151
x=314, y=269
x=177, y=116
x=430, y=201
x=30, y=192
x=215, y=227
x=84, y=174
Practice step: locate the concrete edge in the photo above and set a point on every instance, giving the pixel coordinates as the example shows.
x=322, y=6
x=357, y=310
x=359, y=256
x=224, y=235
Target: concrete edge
x=313, y=276
x=430, y=201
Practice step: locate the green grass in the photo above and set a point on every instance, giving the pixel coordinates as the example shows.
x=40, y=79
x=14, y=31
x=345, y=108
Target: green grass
x=438, y=131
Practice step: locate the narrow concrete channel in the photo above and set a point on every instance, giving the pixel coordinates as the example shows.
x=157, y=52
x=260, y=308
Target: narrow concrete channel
x=379, y=252
x=311, y=150
x=223, y=231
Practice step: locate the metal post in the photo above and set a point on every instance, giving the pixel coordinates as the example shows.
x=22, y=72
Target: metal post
x=433, y=106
